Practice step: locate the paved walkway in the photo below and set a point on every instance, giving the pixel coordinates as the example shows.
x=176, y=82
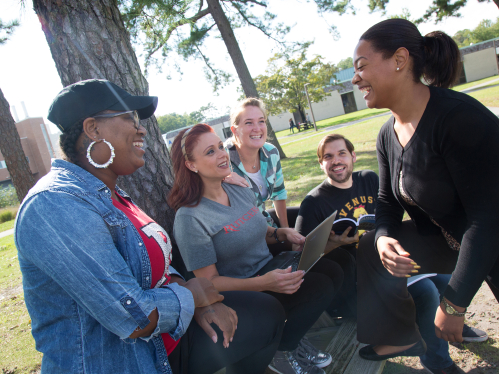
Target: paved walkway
x=6, y=233
x=479, y=85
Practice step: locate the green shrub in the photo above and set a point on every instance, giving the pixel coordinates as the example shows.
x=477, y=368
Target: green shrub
x=6, y=216
x=8, y=197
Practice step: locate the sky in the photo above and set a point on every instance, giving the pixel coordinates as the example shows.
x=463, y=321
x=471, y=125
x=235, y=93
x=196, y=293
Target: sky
x=28, y=73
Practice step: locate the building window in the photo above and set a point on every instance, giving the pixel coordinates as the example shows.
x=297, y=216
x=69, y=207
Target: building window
x=2, y=164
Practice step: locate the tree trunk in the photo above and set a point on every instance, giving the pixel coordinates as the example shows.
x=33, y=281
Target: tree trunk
x=12, y=151
x=88, y=39
x=236, y=55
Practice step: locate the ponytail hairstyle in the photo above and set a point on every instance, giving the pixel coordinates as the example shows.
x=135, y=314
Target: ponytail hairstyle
x=187, y=187
x=435, y=57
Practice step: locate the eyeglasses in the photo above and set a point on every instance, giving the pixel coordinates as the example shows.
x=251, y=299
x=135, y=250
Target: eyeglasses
x=134, y=117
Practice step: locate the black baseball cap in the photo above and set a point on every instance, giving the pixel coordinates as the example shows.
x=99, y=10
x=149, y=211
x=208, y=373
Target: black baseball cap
x=83, y=99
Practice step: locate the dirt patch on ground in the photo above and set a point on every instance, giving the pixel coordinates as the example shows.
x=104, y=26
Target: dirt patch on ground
x=11, y=291
x=475, y=358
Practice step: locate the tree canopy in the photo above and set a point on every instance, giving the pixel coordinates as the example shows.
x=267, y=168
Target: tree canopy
x=6, y=30
x=173, y=121
x=180, y=28
x=346, y=63
x=485, y=30
x=282, y=87
x=436, y=12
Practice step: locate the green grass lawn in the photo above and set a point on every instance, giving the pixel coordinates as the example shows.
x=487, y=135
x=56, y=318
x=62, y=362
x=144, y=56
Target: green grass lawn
x=17, y=347
x=301, y=169
x=336, y=121
x=487, y=96
x=7, y=225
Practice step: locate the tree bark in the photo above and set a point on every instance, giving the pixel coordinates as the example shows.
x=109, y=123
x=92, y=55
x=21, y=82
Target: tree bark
x=12, y=151
x=88, y=39
x=236, y=55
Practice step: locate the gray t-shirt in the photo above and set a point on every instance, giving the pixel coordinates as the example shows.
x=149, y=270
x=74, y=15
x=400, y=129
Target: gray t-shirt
x=231, y=237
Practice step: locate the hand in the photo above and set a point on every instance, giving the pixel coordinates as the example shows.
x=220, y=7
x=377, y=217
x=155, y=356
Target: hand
x=283, y=281
x=335, y=241
x=449, y=327
x=234, y=178
x=203, y=292
x=292, y=236
x=221, y=315
x=394, y=258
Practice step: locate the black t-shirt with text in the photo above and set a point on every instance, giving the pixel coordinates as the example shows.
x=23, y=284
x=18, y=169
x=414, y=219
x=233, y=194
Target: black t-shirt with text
x=353, y=202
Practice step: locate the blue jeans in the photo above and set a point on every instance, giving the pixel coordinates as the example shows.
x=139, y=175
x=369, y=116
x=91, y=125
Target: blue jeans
x=426, y=295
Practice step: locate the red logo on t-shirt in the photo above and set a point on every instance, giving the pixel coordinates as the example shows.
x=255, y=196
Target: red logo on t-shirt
x=241, y=221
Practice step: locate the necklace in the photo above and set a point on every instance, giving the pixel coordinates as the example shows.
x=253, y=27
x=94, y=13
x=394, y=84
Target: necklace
x=254, y=165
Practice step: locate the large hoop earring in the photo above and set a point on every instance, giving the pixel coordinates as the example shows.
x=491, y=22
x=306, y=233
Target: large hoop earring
x=95, y=164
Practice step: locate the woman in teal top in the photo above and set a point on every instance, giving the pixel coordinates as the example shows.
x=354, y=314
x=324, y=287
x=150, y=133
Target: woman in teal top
x=255, y=160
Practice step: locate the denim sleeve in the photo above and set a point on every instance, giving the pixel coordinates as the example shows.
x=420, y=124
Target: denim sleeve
x=68, y=240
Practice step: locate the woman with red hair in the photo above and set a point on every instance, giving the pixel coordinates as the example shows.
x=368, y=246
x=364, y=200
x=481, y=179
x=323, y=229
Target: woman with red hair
x=223, y=237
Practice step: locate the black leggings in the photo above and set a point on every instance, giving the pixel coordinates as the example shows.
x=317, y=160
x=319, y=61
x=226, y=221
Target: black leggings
x=259, y=329
x=305, y=306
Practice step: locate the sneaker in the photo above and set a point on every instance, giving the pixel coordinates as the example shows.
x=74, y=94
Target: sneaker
x=286, y=363
x=316, y=356
x=453, y=369
x=472, y=334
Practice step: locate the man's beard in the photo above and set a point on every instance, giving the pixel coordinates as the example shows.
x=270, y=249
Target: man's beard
x=334, y=177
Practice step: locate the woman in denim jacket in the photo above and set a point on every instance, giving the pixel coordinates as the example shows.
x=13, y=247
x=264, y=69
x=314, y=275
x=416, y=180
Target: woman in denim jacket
x=97, y=279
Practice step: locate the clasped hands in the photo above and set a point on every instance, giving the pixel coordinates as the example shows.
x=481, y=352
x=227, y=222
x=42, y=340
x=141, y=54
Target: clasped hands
x=209, y=309
x=398, y=263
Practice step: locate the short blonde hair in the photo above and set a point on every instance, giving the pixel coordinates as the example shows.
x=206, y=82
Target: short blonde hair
x=235, y=113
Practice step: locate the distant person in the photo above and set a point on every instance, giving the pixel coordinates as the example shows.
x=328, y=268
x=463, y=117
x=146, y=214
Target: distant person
x=292, y=125
x=438, y=161
x=309, y=120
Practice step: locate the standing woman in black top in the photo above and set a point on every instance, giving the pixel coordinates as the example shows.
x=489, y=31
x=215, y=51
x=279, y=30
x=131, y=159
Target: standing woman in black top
x=438, y=160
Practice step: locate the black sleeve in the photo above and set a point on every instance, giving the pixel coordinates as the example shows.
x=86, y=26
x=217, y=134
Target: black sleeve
x=309, y=216
x=469, y=139
x=389, y=213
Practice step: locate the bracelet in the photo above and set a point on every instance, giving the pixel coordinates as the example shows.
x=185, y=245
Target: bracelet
x=276, y=237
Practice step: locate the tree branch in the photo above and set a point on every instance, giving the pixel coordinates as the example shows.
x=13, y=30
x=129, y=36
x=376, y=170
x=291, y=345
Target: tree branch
x=248, y=1
x=173, y=27
x=254, y=25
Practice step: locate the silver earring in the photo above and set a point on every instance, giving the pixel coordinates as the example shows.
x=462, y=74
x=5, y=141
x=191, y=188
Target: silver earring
x=195, y=171
x=95, y=164
x=398, y=69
